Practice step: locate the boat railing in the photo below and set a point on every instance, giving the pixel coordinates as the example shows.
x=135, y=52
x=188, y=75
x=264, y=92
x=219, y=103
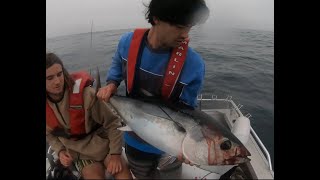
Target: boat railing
x=237, y=109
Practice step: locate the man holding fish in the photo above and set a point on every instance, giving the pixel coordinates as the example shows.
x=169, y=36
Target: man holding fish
x=157, y=62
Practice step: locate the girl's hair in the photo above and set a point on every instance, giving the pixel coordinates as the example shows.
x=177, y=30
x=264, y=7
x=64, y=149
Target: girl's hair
x=52, y=59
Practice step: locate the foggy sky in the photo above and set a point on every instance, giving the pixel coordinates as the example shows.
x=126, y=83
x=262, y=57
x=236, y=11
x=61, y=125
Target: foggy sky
x=64, y=17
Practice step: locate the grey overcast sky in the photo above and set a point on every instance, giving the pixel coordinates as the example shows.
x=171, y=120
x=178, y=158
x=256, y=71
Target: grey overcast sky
x=64, y=17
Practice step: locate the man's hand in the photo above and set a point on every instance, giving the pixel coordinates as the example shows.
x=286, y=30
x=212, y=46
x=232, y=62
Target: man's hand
x=105, y=93
x=182, y=159
x=65, y=158
x=113, y=164
x=188, y=162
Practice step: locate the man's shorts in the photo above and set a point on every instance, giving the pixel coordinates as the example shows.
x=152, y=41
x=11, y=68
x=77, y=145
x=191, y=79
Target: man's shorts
x=80, y=164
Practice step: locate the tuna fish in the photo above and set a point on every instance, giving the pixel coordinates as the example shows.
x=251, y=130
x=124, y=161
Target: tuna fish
x=180, y=132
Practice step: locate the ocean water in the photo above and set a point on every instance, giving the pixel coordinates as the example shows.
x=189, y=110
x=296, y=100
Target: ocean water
x=239, y=63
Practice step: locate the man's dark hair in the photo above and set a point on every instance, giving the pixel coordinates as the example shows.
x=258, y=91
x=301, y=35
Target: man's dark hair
x=52, y=59
x=178, y=12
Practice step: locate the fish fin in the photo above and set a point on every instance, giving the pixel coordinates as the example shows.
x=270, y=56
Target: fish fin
x=165, y=161
x=125, y=128
x=98, y=86
x=179, y=127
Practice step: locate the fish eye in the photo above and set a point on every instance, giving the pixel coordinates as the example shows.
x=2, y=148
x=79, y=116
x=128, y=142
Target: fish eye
x=225, y=145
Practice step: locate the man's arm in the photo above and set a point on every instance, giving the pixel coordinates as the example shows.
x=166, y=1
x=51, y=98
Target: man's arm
x=114, y=77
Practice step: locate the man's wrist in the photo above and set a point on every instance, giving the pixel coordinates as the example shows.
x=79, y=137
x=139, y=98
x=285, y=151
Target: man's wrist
x=116, y=83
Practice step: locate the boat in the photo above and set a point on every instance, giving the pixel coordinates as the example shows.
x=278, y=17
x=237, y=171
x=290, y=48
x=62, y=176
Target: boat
x=260, y=166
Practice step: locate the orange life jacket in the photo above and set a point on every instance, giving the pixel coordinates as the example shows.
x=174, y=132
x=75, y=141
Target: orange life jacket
x=76, y=110
x=173, y=70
